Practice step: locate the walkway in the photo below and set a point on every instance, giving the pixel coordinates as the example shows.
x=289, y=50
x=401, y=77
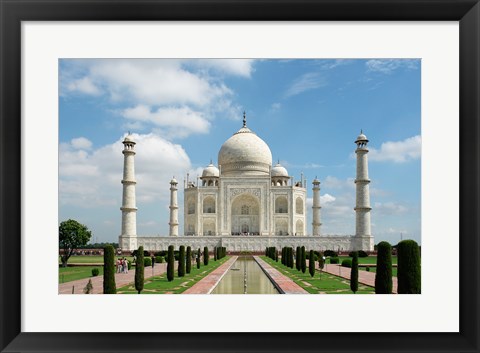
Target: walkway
x=210, y=281
x=121, y=279
x=364, y=277
x=283, y=283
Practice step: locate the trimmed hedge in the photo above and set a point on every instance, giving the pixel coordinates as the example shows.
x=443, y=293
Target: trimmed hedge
x=95, y=272
x=383, y=276
x=139, y=270
x=408, y=267
x=334, y=260
x=188, y=267
x=147, y=261
x=361, y=253
x=109, y=286
x=159, y=259
x=347, y=263
x=354, y=273
x=170, y=264
x=330, y=253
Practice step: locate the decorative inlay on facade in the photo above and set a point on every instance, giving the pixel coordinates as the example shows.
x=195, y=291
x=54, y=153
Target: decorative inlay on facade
x=237, y=191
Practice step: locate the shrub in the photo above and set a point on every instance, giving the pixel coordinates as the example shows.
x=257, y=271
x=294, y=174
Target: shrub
x=298, y=258
x=383, y=276
x=188, y=267
x=159, y=259
x=95, y=272
x=367, y=269
x=362, y=253
x=139, y=270
x=304, y=260
x=205, y=256
x=109, y=286
x=347, y=263
x=181, y=262
x=354, y=273
x=311, y=264
x=145, y=253
x=170, y=264
x=147, y=261
x=334, y=260
x=408, y=270
x=330, y=253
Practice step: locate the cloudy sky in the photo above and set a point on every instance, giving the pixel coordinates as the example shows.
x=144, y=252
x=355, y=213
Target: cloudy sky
x=181, y=111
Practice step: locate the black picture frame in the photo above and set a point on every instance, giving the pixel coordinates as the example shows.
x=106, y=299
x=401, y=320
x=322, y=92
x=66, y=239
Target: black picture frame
x=13, y=12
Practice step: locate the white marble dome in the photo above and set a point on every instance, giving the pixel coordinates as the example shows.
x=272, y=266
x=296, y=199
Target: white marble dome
x=245, y=154
x=361, y=137
x=279, y=171
x=210, y=171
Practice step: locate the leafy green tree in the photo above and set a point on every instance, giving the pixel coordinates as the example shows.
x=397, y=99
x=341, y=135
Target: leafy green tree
x=304, y=259
x=354, y=273
x=139, y=270
x=188, y=268
x=205, y=256
x=109, y=286
x=181, y=262
x=298, y=258
x=408, y=270
x=170, y=264
x=383, y=275
x=311, y=263
x=72, y=235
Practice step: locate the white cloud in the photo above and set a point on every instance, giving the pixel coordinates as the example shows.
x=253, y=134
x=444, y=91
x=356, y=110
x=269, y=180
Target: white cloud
x=327, y=198
x=179, y=122
x=237, y=67
x=81, y=143
x=306, y=82
x=92, y=179
x=398, y=151
x=387, y=66
x=389, y=208
x=84, y=85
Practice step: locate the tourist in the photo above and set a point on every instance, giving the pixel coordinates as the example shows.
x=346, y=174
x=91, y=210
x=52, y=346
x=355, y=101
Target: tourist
x=125, y=265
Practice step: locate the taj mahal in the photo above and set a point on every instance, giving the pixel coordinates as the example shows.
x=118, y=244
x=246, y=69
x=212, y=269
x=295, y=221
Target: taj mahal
x=246, y=203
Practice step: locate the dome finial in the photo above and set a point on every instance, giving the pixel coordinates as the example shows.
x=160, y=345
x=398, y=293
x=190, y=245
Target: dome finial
x=244, y=119
x=211, y=161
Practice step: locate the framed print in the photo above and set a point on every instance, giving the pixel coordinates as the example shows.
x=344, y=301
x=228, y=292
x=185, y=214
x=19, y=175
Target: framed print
x=93, y=89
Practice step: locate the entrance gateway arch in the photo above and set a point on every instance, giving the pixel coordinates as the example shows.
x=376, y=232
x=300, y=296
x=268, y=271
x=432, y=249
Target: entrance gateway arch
x=245, y=215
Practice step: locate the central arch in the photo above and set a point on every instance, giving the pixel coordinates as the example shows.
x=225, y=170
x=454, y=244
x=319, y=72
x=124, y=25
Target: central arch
x=245, y=215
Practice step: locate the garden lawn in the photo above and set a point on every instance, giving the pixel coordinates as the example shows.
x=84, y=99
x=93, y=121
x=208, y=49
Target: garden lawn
x=68, y=274
x=374, y=269
x=372, y=260
x=91, y=259
x=160, y=284
x=319, y=284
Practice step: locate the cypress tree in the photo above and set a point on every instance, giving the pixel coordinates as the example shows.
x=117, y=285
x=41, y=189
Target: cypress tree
x=298, y=259
x=198, y=258
x=139, y=270
x=189, y=259
x=311, y=263
x=304, y=259
x=283, y=256
x=291, y=257
x=109, y=286
x=383, y=276
x=408, y=270
x=181, y=261
x=354, y=273
x=205, y=256
x=276, y=256
x=170, y=264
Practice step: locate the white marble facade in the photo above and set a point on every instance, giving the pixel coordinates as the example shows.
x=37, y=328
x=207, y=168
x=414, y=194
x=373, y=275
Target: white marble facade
x=247, y=204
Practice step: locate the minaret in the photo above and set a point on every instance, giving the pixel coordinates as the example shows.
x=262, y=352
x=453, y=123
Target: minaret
x=362, y=207
x=173, y=208
x=316, y=208
x=129, y=209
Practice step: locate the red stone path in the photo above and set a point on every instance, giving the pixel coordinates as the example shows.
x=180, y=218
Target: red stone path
x=283, y=283
x=210, y=281
x=121, y=279
x=364, y=277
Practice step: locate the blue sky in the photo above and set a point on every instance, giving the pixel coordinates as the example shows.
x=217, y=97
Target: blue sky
x=309, y=112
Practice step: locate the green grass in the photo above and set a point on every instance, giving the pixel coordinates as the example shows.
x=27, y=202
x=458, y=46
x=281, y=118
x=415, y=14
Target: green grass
x=68, y=274
x=160, y=284
x=372, y=260
x=87, y=259
x=323, y=283
x=374, y=269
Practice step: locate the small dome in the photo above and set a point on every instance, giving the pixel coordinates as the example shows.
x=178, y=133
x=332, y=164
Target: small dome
x=279, y=171
x=128, y=138
x=210, y=171
x=245, y=154
x=173, y=181
x=361, y=137
x=316, y=181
